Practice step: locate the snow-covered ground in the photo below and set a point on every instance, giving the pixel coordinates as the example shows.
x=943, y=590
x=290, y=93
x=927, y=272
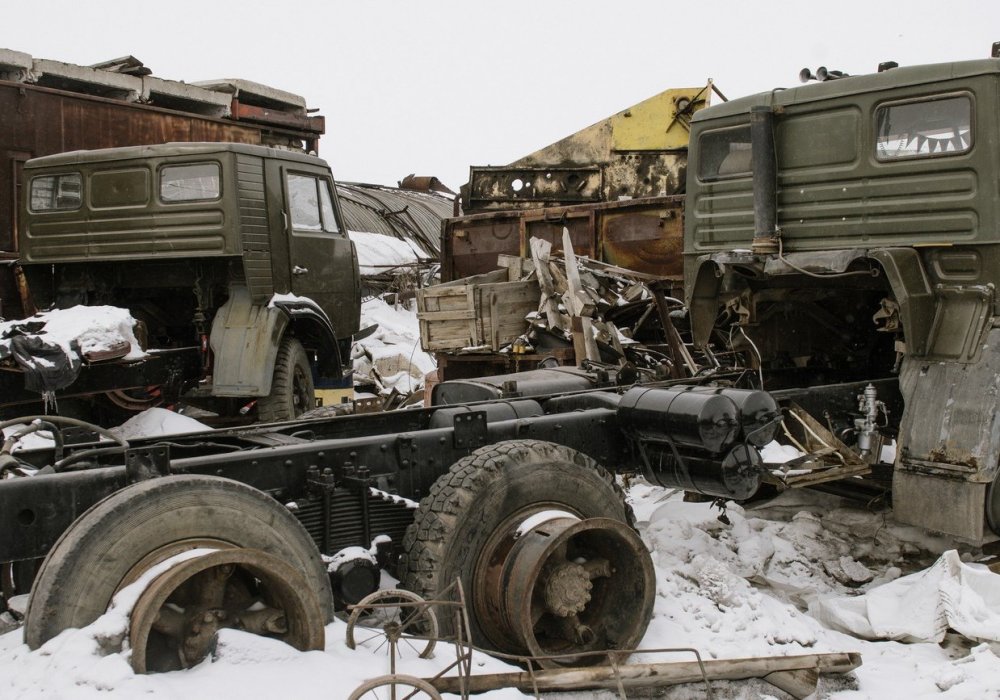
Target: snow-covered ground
x=735, y=590
x=783, y=578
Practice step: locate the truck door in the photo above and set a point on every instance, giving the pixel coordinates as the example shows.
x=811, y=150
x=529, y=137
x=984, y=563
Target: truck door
x=321, y=259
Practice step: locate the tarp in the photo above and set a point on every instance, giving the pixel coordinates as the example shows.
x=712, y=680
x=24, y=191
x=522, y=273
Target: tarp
x=922, y=606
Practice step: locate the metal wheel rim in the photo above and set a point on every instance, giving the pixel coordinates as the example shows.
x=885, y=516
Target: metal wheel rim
x=290, y=612
x=420, y=619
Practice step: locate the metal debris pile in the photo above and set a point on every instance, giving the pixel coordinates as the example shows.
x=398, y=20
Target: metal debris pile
x=588, y=313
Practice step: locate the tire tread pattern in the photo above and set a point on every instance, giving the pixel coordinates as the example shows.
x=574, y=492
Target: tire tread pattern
x=426, y=540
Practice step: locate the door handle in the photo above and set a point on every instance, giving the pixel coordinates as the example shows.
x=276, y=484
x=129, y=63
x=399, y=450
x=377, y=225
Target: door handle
x=296, y=270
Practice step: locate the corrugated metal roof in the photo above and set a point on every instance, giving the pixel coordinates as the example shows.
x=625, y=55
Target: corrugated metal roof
x=408, y=215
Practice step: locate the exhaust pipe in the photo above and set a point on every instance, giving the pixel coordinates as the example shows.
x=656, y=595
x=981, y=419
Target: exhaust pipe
x=765, y=180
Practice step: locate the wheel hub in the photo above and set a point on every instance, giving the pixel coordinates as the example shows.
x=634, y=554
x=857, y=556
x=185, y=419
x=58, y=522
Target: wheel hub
x=565, y=586
x=175, y=620
x=567, y=589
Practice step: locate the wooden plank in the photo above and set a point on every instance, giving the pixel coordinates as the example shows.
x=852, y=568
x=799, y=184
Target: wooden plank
x=540, y=250
x=516, y=266
x=484, y=278
x=822, y=475
x=659, y=674
x=446, y=315
x=574, y=299
x=800, y=683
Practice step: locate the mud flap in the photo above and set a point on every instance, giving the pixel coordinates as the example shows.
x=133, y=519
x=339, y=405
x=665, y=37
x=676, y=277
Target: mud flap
x=245, y=339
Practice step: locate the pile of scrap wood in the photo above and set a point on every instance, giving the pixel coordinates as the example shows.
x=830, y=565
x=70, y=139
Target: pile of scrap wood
x=568, y=310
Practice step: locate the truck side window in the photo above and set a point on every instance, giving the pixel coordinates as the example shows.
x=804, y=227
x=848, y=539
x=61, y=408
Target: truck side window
x=326, y=207
x=724, y=153
x=935, y=127
x=56, y=192
x=119, y=188
x=189, y=183
x=311, y=204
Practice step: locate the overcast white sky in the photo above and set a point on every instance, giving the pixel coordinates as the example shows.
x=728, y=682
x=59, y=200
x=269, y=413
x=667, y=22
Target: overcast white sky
x=434, y=87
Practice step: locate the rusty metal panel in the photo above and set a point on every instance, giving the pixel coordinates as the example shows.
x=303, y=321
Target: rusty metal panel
x=548, y=225
x=524, y=185
x=470, y=244
x=645, y=238
x=645, y=235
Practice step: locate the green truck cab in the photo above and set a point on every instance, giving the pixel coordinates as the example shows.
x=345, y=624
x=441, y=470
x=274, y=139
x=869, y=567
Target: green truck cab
x=238, y=251
x=849, y=231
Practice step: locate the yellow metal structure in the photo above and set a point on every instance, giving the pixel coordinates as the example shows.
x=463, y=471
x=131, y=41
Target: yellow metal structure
x=657, y=124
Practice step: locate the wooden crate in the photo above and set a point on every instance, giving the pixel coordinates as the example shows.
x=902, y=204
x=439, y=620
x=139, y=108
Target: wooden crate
x=484, y=311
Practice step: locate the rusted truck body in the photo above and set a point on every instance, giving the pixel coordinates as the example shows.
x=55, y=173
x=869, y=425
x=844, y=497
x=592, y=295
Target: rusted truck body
x=518, y=501
x=847, y=230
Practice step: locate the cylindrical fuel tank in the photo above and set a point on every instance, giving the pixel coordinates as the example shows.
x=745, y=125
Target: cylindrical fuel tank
x=535, y=382
x=706, y=420
x=735, y=475
x=758, y=411
x=495, y=411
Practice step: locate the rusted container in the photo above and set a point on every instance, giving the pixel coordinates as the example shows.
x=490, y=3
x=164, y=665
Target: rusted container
x=644, y=235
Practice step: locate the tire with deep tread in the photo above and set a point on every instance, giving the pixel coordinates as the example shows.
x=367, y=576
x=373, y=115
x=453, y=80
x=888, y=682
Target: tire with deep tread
x=88, y=563
x=292, y=389
x=465, y=506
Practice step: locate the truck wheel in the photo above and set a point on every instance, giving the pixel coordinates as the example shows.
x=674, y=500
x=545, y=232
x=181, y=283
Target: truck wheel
x=993, y=506
x=579, y=580
x=114, y=542
x=292, y=389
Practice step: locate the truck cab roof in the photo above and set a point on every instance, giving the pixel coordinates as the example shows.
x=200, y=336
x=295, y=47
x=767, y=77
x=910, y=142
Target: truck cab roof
x=171, y=149
x=906, y=76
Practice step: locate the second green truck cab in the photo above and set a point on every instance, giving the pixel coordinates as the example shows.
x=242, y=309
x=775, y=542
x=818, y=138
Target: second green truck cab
x=237, y=251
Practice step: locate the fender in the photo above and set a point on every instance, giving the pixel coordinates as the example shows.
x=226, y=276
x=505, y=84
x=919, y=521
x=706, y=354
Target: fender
x=245, y=337
x=313, y=327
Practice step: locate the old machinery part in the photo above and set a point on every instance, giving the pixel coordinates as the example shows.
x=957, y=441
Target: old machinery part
x=566, y=586
x=141, y=525
x=354, y=578
x=73, y=422
x=467, y=528
x=175, y=620
x=135, y=400
x=395, y=622
x=394, y=686
x=736, y=475
x=866, y=428
x=705, y=420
